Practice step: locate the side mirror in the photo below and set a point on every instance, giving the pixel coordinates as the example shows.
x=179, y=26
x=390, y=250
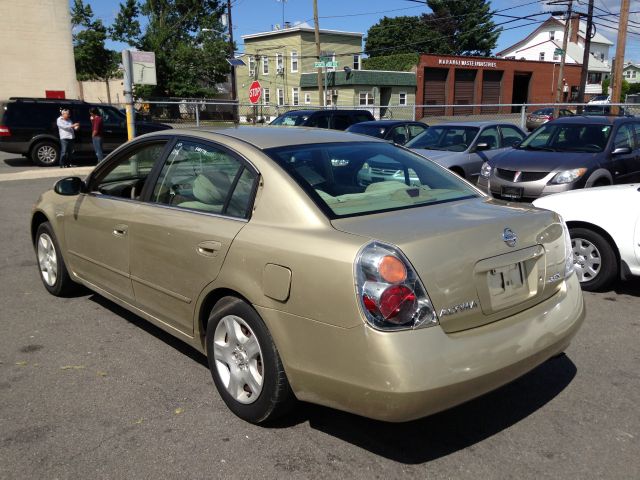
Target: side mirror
x=621, y=151
x=69, y=186
x=481, y=146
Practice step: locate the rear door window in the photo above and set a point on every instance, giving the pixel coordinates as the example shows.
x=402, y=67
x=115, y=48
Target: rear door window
x=510, y=136
x=319, y=120
x=491, y=137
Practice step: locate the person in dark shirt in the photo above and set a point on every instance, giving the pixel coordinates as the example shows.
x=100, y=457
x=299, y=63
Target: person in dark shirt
x=96, y=132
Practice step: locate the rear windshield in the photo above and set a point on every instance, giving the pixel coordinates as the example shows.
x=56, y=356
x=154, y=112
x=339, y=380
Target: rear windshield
x=291, y=119
x=562, y=137
x=543, y=111
x=349, y=179
x=441, y=137
x=371, y=130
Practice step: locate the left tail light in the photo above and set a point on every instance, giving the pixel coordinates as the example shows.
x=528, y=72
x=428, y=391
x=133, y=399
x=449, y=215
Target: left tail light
x=390, y=293
x=4, y=131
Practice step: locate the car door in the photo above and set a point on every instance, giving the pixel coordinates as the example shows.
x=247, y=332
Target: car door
x=181, y=235
x=97, y=228
x=624, y=166
x=415, y=129
x=114, y=128
x=491, y=137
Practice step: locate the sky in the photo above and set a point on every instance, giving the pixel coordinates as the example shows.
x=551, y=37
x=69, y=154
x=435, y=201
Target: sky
x=252, y=16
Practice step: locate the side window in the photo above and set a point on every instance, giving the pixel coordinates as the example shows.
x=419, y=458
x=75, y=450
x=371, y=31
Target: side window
x=510, y=136
x=415, y=130
x=110, y=116
x=341, y=122
x=319, y=121
x=398, y=135
x=490, y=137
x=636, y=128
x=127, y=175
x=624, y=137
x=201, y=177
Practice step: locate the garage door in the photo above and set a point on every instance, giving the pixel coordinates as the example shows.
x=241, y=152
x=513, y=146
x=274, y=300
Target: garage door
x=464, y=91
x=435, y=90
x=491, y=87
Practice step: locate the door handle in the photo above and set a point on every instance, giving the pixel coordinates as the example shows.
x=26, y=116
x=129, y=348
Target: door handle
x=120, y=230
x=209, y=248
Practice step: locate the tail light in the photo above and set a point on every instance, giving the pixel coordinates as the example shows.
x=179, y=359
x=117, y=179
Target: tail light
x=4, y=131
x=389, y=291
x=569, y=266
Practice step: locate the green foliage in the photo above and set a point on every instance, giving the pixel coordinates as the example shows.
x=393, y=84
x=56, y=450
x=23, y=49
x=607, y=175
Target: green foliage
x=189, y=61
x=402, y=62
x=93, y=61
x=455, y=27
x=626, y=89
x=634, y=89
x=605, y=85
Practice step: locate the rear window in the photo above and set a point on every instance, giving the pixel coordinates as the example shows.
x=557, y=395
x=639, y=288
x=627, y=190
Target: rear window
x=291, y=119
x=32, y=115
x=451, y=138
x=350, y=179
x=371, y=130
x=544, y=111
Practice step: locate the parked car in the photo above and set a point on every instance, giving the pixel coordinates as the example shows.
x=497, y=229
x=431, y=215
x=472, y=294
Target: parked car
x=28, y=127
x=463, y=147
x=397, y=131
x=566, y=154
x=256, y=246
x=600, y=100
x=601, y=109
x=334, y=119
x=543, y=115
x=604, y=224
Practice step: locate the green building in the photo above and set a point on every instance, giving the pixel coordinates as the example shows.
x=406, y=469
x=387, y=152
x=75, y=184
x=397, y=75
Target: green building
x=283, y=59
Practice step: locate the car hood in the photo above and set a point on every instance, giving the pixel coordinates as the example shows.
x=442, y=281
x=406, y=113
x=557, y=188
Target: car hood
x=435, y=154
x=454, y=247
x=541, y=161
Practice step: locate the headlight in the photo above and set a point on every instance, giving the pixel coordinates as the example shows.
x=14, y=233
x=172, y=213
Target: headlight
x=568, y=176
x=568, y=250
x=485, y=171
x=390, y=294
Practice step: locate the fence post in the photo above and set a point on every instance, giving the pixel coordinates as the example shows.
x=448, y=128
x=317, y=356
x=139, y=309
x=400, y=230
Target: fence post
x=523, y=120
x=197, y=115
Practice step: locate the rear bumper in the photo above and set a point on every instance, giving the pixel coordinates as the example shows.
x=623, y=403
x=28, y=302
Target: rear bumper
x=21, y=148
x=401, y=376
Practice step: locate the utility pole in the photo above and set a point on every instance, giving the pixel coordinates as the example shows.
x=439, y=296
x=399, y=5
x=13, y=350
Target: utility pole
x=616, y=89
x=128, y=94
x=234, y=93
x=321, y=99
x=587, y=55
x=565, y=40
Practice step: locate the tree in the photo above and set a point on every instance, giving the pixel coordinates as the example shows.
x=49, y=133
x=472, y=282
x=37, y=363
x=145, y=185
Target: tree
x=454, y=27
x=93, y=60
x=186, y=37
x=402, y=62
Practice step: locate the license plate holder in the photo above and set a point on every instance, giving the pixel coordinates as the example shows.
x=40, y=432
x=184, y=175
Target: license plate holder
x=512, y=193
x=507, y=285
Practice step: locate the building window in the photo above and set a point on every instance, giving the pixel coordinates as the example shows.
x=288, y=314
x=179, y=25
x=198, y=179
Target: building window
x=265, y=65
x=307, y=98
x=366, y=98
x=541, y=56
x=279, y=63
x=252, y=65
x=329, y=99
x=633, y=74
x=266, y=96
x=295, y=95
x=594, y=78
x=356, y=62
x=403, y=98
x=294, y=61
x=602, y=56
x=552, y=35
x=280, y=96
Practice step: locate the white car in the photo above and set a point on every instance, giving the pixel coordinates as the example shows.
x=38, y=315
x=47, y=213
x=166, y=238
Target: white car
x=600, y=100
x=604, y=224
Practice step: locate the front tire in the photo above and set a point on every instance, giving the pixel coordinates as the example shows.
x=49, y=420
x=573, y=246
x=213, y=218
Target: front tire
x=595, y=261
x=45, y=153
x=53, y=271
x=245, y=364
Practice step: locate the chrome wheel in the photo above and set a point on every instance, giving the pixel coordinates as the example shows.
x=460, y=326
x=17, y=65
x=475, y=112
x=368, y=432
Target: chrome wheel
x=47, y=259
x=238, y=359
x=47, y=154
x=586, y=259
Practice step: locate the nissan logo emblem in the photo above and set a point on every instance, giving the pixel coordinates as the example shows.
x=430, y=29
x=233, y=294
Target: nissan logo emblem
x=509, y=237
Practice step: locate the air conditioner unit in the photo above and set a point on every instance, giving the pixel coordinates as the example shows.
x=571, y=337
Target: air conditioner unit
x=280, y=70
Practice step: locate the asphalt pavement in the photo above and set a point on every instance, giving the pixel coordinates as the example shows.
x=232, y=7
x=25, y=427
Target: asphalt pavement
x=89, y=390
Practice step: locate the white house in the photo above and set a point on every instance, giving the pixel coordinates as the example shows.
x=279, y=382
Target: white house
x=545, y=44
x=631, y=72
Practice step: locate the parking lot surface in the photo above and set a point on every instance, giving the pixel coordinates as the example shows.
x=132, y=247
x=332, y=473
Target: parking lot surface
x=89, y=390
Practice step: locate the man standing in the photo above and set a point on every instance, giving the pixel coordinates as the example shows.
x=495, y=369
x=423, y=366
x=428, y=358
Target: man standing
x=66, y=129
x=96, y=132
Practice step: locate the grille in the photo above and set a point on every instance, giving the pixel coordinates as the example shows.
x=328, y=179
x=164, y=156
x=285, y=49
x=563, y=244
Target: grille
x=524, y=176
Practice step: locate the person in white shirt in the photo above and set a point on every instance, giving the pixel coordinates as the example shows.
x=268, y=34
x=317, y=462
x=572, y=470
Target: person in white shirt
x=66, y=129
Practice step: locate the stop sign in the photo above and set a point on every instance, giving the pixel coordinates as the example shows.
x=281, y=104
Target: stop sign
x=255, y=90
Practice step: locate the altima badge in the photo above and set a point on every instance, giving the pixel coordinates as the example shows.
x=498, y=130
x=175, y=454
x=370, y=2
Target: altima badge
x=509, y=237
x=458, y=308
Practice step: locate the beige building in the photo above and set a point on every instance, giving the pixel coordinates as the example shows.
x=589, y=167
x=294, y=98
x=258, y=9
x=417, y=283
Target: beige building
x=36, y=57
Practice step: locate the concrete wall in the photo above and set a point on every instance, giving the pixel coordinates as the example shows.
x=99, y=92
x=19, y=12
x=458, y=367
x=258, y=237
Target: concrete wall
x=97, y=91
x=36, y=50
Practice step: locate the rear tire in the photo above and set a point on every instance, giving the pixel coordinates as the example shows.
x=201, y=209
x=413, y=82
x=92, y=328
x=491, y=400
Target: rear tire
x=245, y=364
x=595, y=261
x=53, y=271
x=45, y=153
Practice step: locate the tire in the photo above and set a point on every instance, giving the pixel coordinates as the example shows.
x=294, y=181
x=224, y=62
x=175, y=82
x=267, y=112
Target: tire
x=53, y=271
x=245, y=364
x=595, y=261
x=45, y=153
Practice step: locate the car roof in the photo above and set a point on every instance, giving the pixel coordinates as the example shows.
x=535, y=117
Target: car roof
x=592, y=119
x=483, y=123
x=386, y=123
x=265, y=137
x=332, y=111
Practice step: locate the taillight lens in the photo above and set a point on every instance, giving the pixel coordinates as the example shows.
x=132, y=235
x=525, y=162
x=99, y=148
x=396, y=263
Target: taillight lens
x=389, y=290
x=569, y=266
x=4, y=131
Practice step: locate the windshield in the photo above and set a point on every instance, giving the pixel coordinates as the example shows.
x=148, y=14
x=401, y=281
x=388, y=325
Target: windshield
x=568, y=138
x=357, y=178
x=291, y=119
x=441, y=137
x=371, y=130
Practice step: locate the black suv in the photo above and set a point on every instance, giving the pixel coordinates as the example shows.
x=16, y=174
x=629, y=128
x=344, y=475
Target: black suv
x=28, y=127
x=335, y=119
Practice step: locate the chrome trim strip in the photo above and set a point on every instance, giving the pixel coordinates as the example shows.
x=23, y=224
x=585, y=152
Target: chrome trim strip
x=160, y=289
x=100, y=264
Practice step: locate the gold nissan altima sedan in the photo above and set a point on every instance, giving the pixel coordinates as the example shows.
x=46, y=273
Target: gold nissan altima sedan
x=316, y=265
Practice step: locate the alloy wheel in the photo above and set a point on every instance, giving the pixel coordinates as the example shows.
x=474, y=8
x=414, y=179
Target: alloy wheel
x=47, y=154
x=47, y=259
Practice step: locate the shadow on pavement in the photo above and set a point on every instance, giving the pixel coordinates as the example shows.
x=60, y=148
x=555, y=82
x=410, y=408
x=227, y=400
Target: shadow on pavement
x=23, y=162
x=629, y=287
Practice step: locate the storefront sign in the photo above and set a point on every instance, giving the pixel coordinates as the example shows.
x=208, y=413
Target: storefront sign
x=467, y=63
